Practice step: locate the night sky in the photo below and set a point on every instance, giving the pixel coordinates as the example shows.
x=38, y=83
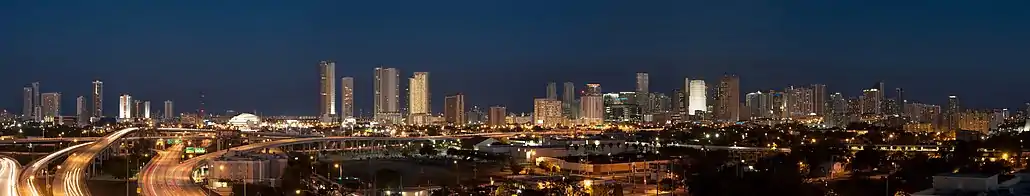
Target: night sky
x=263, y=55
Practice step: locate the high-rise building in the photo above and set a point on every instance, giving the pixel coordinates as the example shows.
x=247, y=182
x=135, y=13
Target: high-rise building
x=98, y=99
x=799, y=101
x=837, y=111
x=761, y=105
x=51, y=106
x=621, y=107
x=454, y=109
x=679, y=104
x=899, y=96
x=327, y=90
x=418, y=95
x=642, y=82
x=125, y=107
x=552, y=91
x=727, y=104
x=547, y=112
x=951, y=115
x=28, y=107
x=819, y=104
x=169, y=111
x=591, y=108
x=592, y=89
x=924, y=113
x=137, y=108
x=146, y=110
x=870, y=101
x=347, y=97
x=387, y=95
x=973, y=120
x=497, y=116
x=81, y=111
x=697, y=97
x=568, y=101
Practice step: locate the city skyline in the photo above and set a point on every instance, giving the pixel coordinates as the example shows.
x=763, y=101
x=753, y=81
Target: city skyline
x=219, y=53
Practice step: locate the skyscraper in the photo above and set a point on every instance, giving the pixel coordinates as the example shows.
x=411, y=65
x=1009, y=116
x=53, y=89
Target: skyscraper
x=728, y=99
x=902, y=103
x=50, y=106
x=28, y=106
x=497, y=116
x=327, y=101
x=98, y=99
x=552, y=91
x=642, y=82
x=387, y=95
x=870, y=101
x=697, y=97
x=838, y=111
x=36, y=101
x=81, y=111
x=125, y=107
x=952, y=113
x=454, y=109
x=568, y=105
x=169, y=111
x=347, y=97
x=592, y=105
x=799, y=101
x=419, y=97
x=819, y=98
x=146, y=110
x=546, y=112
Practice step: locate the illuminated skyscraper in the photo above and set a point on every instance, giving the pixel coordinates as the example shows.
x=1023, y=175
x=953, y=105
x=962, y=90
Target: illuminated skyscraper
x=698, y=101
x=727, y=107
x=125, y=107
x=552, y=91
x=870, y=101
x=28, y=105
x=327, y=101
x=547, y=112
x=347, y=97
x=819, y=100
x=419, y=97
x=568, y=101
x=497, y=116
x=642, y=82
x=454, y=109
x=592, y=105
x=169, y=111
x=951, y=115
x=37, y=102
x=98, y=99
x=799, y=101
x=387, y=95
x=146, y=110
x=51, y=106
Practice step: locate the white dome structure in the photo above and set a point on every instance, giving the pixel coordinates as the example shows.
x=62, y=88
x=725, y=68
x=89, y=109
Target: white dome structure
x=245, y=122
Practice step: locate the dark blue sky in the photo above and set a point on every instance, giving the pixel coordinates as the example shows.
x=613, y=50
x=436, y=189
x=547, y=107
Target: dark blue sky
x=263, y=54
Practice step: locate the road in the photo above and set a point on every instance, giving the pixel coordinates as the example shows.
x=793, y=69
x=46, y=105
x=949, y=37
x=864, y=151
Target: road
x=70, y=179
x=9, y=170
x=26, y=180
x=159, y=170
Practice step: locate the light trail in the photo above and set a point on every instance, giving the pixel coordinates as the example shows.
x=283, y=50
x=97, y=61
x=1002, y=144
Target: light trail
x=26, y=184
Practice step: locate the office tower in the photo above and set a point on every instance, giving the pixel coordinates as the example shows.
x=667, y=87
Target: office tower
x=951, y=115
x=799, y=101
x=146, y=110
x=475, y=116
x=81, y=111
x=899, y=96
x=497, y=116
x=169, y=111
x=924, y=113
x=727, y=104
x=592, y=105
x=36, y=95
x=125, y=107
x=50, y=106
x=592, y=89
x=347, y=97
x=137, y=109
x=454, y=109
x=98, y=99
x=28, y=106
x=881, y=97
x=327, y=101
x=387, y=95
x=661, y=103
x=679, y=106
x=642, y=82
x=870, y=101
x=547, y=112
x=568, y=100
x=418, y=95
x=697, y=99
x=819, y=104
x=552, y=91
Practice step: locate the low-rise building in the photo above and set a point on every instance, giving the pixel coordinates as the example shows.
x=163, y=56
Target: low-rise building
x=248, y=168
